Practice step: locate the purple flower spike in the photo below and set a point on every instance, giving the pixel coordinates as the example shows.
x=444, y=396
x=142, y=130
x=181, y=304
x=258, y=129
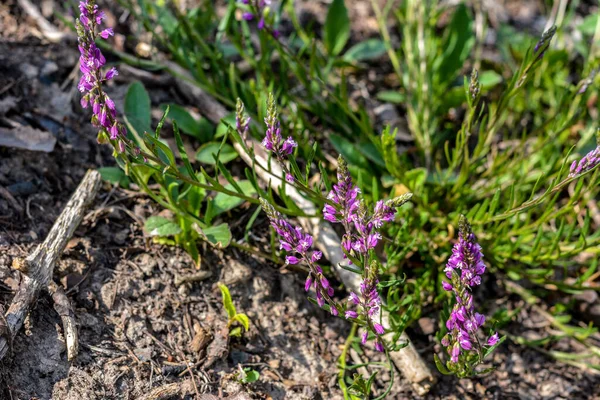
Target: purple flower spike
x=273, y=140
x=91, y=61
x=345, y=195
x=589, y=161
x=464, y=269
x=293, y=240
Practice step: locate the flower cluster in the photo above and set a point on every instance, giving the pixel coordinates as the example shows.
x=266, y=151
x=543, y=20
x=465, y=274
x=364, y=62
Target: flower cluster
x=298, y=245
x=345, y=195
x=369, y=302
x=258, y=9
x=362, y=235
x=91, y=62
x=464, y=269
x=589, y=161
x=273, y=140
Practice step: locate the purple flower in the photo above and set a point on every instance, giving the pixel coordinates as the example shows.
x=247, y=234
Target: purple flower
x=382, y=213
x=111, y=73
x=295, y=241
x=258, y=10
x=106, y=33
x=273, y=140
x=308, y=284
x=493, y=339
x=379, y=345
x=464, y=269
x=91, y=62
x=345, y=195
x=351, y=314
x=589, y=161
x=379, y=328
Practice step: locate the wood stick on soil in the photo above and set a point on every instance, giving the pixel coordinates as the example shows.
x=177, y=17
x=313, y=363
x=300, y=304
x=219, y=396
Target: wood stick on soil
x=407, y=360
x=62, y=305
x=39, y=265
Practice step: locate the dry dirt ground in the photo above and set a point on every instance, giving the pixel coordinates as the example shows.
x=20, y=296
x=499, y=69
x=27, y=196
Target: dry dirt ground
x=140, y=332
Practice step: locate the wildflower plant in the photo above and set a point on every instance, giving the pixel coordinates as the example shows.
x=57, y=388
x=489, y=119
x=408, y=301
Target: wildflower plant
x=492, y=141
x=464, y=270
x=361, y=224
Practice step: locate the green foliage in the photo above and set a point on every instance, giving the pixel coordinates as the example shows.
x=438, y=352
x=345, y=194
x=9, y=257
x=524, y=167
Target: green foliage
x=232, y=314
x=337, y=27
x=114, y=175
x=137, y=109
x=160, y=226
x=207, y=153
x=496, y=148
x=248, y=375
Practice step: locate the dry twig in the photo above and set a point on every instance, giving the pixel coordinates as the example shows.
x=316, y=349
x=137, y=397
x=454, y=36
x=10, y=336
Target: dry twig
x=38, y=267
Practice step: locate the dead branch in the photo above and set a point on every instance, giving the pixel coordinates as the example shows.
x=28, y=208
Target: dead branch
x=62, y=305
x=407, y=360
x=39, y=265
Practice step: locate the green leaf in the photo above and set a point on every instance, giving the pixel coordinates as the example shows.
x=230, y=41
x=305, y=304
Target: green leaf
x=219, y=235
x=114, y=175
x=161, y=226
x=368, y=50
x=458, y=41
x=349, y=151
x=236, y=332
x=251, y=376
x=224, y=202
x=224, y=125
x=440, y=366
x=244, y=320
x=184, y=119
x=391, y=96
x=337, y=27
x=489, y=79
x=137, y=108
x=227, y=302
x=207, y=152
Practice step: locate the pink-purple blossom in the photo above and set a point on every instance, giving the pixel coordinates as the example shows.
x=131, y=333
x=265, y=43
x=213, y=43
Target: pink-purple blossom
x=587, y=162
x=91, y=61
x=298, y=244
x=273, y=140
x=464, y=269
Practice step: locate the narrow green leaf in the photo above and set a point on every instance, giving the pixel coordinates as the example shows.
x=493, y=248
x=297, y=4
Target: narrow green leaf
x=227, y=302
x=337, y=27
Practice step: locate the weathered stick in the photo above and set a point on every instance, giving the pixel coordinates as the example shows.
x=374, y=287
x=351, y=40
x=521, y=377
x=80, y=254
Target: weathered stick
x=62, y=305
x=38, y=267
x=407, y=360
